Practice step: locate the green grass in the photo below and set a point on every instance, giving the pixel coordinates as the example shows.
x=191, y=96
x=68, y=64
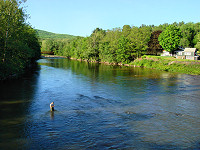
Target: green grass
x=169, y=64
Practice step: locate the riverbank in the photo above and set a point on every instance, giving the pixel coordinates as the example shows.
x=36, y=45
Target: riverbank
x=107, y=63
x=156, y=62
x=52, y=56
x=170, y=64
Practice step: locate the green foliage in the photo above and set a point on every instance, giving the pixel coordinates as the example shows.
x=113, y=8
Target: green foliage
x=187, y=32
x=19, y=44
x=139, y=38
x=123, y=52
x=109, y=46
x=49, y=35
x=123, y=45
x=154, y=47
x=94, y=42
x=197, y=41
x=169, y=39
x=126, y=30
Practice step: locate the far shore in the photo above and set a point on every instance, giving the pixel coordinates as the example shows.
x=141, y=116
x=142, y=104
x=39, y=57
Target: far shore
x=52, y=56
x=154, y=62
x=107, y=63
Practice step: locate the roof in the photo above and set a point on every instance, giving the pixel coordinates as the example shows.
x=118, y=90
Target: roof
x=179, y=51
x=190, y=49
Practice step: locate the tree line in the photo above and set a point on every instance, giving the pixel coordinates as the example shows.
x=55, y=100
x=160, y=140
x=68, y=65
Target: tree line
x=123, y=45
x=19, y=44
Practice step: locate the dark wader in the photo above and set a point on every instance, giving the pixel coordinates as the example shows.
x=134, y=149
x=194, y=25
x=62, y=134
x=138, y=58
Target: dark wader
x=52, y=108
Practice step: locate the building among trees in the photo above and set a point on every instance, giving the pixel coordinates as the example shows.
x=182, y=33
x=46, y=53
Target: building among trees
x=183, y=53
x=188, y=53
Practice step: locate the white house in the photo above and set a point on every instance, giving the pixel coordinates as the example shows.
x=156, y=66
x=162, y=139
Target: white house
x=166, y=53
x=187, y=53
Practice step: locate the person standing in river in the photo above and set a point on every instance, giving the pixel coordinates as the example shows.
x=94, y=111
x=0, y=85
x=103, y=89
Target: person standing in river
x=52, y=106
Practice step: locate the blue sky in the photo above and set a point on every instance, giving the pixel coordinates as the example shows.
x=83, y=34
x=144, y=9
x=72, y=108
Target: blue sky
x=81, y=17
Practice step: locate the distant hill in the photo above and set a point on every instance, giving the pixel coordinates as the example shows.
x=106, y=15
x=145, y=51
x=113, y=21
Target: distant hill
x=49, y=35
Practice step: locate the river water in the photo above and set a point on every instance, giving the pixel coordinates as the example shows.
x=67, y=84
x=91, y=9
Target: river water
x=99, y=107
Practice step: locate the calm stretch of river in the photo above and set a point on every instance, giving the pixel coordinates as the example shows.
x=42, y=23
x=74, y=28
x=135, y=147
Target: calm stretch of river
x=99, y=107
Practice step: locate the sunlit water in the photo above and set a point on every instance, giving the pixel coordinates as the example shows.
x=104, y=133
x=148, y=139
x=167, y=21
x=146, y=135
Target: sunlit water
x=99, y=107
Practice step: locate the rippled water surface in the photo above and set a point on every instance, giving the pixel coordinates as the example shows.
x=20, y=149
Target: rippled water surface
x=99, y=107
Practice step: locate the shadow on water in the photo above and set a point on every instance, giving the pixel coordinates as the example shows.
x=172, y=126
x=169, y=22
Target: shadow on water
x=15, y=100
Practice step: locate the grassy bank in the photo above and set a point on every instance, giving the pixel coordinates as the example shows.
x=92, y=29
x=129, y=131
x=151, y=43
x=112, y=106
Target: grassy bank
x=169, y=64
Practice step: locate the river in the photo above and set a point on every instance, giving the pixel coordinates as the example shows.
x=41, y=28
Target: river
x=99, y=106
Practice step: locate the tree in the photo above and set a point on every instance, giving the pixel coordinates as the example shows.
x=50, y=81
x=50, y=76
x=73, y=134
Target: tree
x=123, y=52
x=169, y=39
x=139, y=38
x=18, y=41
x=126, y=30
x=154, y=47
x=109, y=45
x=11, y=23
x=187, y=32
x=94, y=42
x=197, y=41
x=48, y=46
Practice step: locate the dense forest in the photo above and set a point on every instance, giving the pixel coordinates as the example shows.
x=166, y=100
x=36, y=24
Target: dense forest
x=123, y=45
x=19, y=45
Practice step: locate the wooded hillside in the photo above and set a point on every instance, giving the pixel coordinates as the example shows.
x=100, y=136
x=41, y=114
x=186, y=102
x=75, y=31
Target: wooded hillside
x=49, y=35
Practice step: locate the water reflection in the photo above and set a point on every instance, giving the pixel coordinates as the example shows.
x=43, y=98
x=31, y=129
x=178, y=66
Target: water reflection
x=16, y=97
x=106, y=107
x=52, y=115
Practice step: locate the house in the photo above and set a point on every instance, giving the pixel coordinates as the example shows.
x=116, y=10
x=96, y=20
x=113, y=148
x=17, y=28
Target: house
x=188, y=53
x=181, y=53
x=166, y=53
